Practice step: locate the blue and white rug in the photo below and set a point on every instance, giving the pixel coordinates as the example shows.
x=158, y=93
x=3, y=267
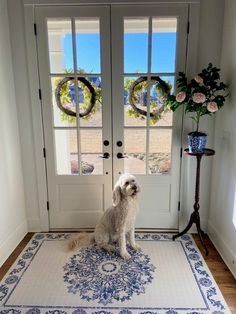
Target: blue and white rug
x=164, y=277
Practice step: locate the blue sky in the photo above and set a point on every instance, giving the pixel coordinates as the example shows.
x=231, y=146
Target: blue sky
x=135, y=52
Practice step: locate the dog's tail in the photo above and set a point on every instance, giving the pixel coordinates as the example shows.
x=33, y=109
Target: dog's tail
x=81, y=240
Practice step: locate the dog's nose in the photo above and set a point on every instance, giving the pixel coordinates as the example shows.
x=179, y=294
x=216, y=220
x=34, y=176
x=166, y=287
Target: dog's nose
x=135, y=187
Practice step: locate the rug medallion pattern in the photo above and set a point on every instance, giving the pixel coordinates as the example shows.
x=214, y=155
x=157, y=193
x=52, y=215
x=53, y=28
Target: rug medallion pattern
x=99, y=275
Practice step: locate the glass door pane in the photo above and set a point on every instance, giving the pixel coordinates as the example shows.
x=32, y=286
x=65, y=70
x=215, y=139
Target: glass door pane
x=164, y=32
x=150, y=55
x=88, y=45
x=74, y=54
x=60, y=47
x=135, y=38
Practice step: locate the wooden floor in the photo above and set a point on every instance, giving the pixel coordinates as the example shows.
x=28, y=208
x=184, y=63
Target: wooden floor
x=221, y=273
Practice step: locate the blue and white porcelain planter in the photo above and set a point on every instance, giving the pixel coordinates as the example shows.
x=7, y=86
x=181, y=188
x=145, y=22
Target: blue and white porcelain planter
x=196, y=142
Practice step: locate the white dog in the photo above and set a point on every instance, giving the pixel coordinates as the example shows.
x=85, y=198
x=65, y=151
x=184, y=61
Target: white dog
x=117, y=223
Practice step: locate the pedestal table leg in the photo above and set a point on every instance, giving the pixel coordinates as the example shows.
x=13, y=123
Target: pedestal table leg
x=195, y=217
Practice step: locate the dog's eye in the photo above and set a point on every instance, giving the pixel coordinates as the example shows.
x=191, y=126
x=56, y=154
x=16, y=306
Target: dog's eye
x=126, y=183
x=133, y=180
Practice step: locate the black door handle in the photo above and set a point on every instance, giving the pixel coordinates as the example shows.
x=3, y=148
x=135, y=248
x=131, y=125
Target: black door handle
x=105, y=155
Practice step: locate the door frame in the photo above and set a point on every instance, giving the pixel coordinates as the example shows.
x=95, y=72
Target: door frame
x=34, y=87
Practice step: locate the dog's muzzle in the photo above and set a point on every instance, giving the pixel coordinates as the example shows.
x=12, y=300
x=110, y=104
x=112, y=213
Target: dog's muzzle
x=135, y=190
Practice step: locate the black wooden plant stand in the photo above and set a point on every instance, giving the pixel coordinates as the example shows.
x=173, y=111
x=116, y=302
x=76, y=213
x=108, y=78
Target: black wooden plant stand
x=195, y=217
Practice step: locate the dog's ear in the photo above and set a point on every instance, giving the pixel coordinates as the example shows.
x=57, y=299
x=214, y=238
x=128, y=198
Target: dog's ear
x=116, y=197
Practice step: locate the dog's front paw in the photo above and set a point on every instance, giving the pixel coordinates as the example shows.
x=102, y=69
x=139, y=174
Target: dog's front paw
x=109, y=248
x=136, y=247
x=125, y=255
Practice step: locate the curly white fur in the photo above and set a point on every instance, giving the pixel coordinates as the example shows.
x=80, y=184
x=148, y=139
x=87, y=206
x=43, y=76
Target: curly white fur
x=117, y=223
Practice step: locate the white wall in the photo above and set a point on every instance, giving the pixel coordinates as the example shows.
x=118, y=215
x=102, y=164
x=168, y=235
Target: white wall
x=208, y=50
x=13, y=224
x=223, y=194
x=16, y=22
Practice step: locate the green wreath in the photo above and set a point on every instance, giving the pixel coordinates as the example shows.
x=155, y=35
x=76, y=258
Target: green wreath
x=67, y=110
x=163, y=88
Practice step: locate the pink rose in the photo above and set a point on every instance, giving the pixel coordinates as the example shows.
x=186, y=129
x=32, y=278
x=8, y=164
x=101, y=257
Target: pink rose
x=212, y=106
x=199, y=98
x=180, y=96
x=199, y=79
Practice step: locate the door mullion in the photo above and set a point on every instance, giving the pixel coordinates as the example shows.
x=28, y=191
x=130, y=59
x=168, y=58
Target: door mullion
x=148, y=91
x=150, y=74
x=76, y=95
x=76, y=75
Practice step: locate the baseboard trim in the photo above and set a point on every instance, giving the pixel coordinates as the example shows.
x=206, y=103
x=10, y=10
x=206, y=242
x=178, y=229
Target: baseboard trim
x=9, y=245
x=222, y=247
x=149, y=230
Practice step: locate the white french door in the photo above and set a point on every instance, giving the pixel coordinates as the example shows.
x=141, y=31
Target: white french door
x=76, y=102
x=95, y=125
x=151, y=137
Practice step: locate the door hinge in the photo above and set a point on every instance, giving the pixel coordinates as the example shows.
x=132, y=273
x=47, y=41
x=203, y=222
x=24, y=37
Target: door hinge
x=179, y=206
x=47, y=205
x=188, y=27
x=181, y=152
x=40, y=94
x=35, y=29
x=44, y=152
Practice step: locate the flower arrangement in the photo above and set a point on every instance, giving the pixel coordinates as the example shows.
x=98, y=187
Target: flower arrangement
x=201, y=96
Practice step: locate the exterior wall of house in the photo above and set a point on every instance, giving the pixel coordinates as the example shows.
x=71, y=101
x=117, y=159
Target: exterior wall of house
x=13, y=225
x=222, y=217
x=209, y=47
